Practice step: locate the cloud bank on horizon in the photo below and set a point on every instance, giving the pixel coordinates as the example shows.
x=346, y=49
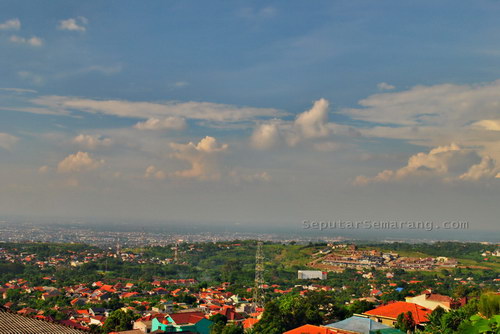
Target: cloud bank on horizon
x=88, y=129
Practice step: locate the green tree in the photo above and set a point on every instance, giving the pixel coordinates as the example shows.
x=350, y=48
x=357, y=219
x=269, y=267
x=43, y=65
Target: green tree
x=460, y=291
x=405, y=322
x=233, y=329
x=219, y=322
x=434, y=324
x=454, y=319
x=13, y=295
x=119, y=320
x=480, y=325
x=95, y=329
x=360, y=306
x=292, y=310
x=489, y=304
x=272, y=321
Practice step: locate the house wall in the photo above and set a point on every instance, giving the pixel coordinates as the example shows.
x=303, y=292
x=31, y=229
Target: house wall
x=311, y=274
x=144, y=327
x=203, y=326
x=385, y=321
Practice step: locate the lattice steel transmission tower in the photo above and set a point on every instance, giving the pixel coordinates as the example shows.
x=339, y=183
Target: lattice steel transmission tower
x=258, y=290
x=176, y=252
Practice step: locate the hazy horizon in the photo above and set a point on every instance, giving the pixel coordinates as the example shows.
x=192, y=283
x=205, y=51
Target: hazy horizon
x=287, y=231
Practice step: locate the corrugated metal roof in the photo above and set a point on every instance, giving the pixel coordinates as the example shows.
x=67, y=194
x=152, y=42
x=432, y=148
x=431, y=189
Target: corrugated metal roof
x=11, y=323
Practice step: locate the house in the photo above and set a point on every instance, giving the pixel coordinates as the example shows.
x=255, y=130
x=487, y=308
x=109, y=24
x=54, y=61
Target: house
x=27, y=311
x=108, y=288
x=98, y=311
x=50, y=294
x=143, y=325
x=78, y=302
x=159, y=291
x=387, y=314
x=432, y=301
x=230, y=313
x=167, y=307
x=362, y=325
x=98, y=320
x=194, y=322
x=243, y=307
x=128, y=295
x=82, y=312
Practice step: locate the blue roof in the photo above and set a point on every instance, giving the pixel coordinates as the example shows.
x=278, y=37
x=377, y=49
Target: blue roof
x=358, y=324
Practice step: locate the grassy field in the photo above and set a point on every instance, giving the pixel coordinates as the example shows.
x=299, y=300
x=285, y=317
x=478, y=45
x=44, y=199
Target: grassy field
x=295, y=255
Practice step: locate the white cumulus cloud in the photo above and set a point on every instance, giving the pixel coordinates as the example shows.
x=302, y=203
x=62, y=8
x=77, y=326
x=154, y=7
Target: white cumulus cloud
x=7, y=141
x=313, y=123
x=385, y=86
x=32, y=41
x=488, y=124
x=486, y=169
x=92, y=141
x=265, y=136
x=444, y=162
x=78, y=162
x=12, y=24
x=154, y=173
x=202, y=157
x=168, y=123
x=74, y=24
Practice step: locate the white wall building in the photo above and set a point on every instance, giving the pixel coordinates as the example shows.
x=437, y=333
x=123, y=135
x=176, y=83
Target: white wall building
x=311, y=274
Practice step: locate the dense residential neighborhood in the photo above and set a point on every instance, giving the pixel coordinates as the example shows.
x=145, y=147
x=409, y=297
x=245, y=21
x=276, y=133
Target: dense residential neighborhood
x=87, y=289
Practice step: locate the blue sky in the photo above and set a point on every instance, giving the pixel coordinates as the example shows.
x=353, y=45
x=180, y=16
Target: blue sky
x=251, y=111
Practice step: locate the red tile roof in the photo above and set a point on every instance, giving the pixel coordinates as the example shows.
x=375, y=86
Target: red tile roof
x=230, y=313
x=439, y=298
x=392, y=311
x=187, y=317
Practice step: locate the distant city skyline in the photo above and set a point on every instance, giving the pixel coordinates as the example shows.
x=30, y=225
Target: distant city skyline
x=251, y=112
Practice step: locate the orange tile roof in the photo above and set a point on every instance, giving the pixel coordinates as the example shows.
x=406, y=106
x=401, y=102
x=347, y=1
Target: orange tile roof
x=392, y=311
x=108, y=288
x=249, y=323
x=311, y=329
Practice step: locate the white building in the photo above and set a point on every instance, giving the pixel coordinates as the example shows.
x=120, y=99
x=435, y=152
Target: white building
x=311, y=274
